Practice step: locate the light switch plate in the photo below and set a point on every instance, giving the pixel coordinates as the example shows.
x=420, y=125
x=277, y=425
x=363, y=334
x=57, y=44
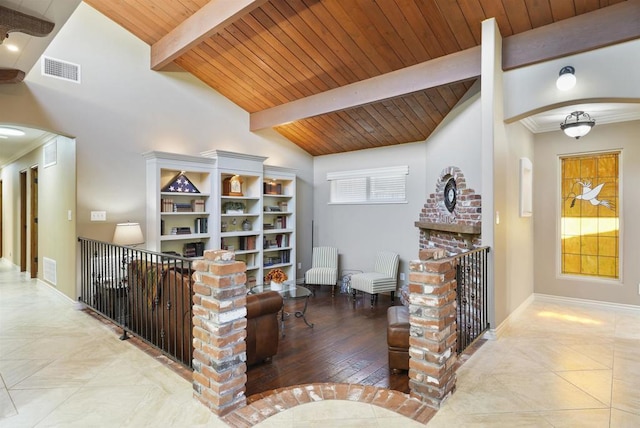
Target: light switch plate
x=98, y=216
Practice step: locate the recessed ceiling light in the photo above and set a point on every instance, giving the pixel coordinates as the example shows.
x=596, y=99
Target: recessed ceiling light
x=12, y=48
x=12, y=132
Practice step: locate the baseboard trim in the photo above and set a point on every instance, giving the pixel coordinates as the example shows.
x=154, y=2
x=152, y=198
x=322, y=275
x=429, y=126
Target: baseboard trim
x=12, y=266
x=586, y=303
x=495, y=333
x=54, y=289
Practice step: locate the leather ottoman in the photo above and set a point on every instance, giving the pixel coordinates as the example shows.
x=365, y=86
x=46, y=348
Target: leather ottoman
x=398, y=337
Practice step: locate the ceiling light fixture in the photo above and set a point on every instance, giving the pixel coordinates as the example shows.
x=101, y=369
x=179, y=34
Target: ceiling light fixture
x=11, y=132
x=566, y=78
x=577, y=124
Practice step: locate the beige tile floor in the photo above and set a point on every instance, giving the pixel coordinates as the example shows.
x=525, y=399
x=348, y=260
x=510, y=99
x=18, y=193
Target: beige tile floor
x=555, y=365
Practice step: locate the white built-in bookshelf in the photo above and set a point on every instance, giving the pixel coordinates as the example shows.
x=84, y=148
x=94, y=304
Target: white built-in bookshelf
x=241, y=204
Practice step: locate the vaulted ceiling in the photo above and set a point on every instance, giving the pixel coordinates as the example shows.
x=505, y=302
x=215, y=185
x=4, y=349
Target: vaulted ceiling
x=342, y=75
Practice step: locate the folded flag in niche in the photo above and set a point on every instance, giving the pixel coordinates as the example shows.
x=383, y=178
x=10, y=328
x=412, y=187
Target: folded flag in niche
x=180, y=184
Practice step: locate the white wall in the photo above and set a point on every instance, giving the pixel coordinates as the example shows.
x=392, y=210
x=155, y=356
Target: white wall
x=359, y=231
x=519, y=230
x=548, y=146
x=611, y=73
x=456, y=142
x=123, y=109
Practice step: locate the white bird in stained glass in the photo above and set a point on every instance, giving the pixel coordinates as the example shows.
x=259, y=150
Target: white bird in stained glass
x=589, y=194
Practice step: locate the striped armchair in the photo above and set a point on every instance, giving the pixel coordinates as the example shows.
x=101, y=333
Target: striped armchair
x=383, y=278
x=324, y=268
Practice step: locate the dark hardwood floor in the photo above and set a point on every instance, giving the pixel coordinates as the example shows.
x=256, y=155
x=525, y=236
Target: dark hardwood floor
x=348, y=344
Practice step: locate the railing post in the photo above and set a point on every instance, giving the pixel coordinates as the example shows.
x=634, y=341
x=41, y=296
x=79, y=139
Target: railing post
x=219, y=331
x=432, y=336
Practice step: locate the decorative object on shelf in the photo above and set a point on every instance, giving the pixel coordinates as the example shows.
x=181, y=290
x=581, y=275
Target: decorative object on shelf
x=232, y=186
x=180, y=184
x=246, y=224
x=234, y=207
x=577, y=124
x=276, y=276
x=271, y=187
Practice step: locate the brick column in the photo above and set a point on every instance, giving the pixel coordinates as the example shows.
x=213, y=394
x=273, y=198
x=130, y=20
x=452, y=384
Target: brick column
x=432, y=339
x=219, y=331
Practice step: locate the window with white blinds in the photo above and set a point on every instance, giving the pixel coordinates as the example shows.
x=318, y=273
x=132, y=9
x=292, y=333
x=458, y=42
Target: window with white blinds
x=369, y=186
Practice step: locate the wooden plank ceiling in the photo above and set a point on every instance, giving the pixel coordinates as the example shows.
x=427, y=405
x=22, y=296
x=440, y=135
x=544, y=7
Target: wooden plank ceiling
x=280, y=51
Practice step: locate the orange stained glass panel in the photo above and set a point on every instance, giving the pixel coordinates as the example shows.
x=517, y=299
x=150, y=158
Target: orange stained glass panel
x=590, y=215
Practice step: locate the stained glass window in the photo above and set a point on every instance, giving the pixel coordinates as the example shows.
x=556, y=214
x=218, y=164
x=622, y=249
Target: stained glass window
x=590, y=225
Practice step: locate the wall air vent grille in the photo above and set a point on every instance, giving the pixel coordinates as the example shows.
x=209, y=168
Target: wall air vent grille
x=50, y=270
x=60, y=69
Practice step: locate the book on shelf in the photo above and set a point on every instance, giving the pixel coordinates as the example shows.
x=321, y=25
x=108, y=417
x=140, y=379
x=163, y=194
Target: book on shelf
x=197, y=205
x=181, y=230
x=282, y=240
x=251, y=281
x=280, y=222
x=247, y=242
x=179, y=207
x=201, y=225
x=166, y=205
x=193, y=249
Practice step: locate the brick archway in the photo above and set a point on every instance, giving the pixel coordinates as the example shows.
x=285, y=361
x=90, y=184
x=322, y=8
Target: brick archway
x=262, y=406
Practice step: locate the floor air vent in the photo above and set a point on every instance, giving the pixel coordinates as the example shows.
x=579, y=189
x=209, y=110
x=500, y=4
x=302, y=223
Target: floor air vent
x=60, y=69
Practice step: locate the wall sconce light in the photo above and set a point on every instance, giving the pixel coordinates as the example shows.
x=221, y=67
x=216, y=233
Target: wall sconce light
x=566, y=78
x=128, y=234
x=577, y=124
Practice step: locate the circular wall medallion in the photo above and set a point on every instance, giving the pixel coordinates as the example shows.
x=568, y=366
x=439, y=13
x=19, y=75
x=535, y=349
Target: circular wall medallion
x=450, y=191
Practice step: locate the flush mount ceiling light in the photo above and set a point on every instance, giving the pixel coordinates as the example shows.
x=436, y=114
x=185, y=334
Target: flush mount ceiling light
x=11, y=132
x=566, y=78
x=577, y=124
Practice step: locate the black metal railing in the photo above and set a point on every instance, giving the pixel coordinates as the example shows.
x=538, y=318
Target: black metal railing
x=146, y=293
x=472, y=289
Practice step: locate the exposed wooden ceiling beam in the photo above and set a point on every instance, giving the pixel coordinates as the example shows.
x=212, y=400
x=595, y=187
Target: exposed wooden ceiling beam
x=603, y=27
x=451, y=68
x=203, y=24
x=14, y=21
x=11, y=75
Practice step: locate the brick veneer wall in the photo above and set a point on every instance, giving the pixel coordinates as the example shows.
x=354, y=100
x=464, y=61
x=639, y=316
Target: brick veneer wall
x=468, y=211
x=432, y=336
x=219, y=331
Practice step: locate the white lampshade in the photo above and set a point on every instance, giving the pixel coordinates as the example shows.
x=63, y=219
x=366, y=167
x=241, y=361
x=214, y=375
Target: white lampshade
x=128, y=234
x=577, y=131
